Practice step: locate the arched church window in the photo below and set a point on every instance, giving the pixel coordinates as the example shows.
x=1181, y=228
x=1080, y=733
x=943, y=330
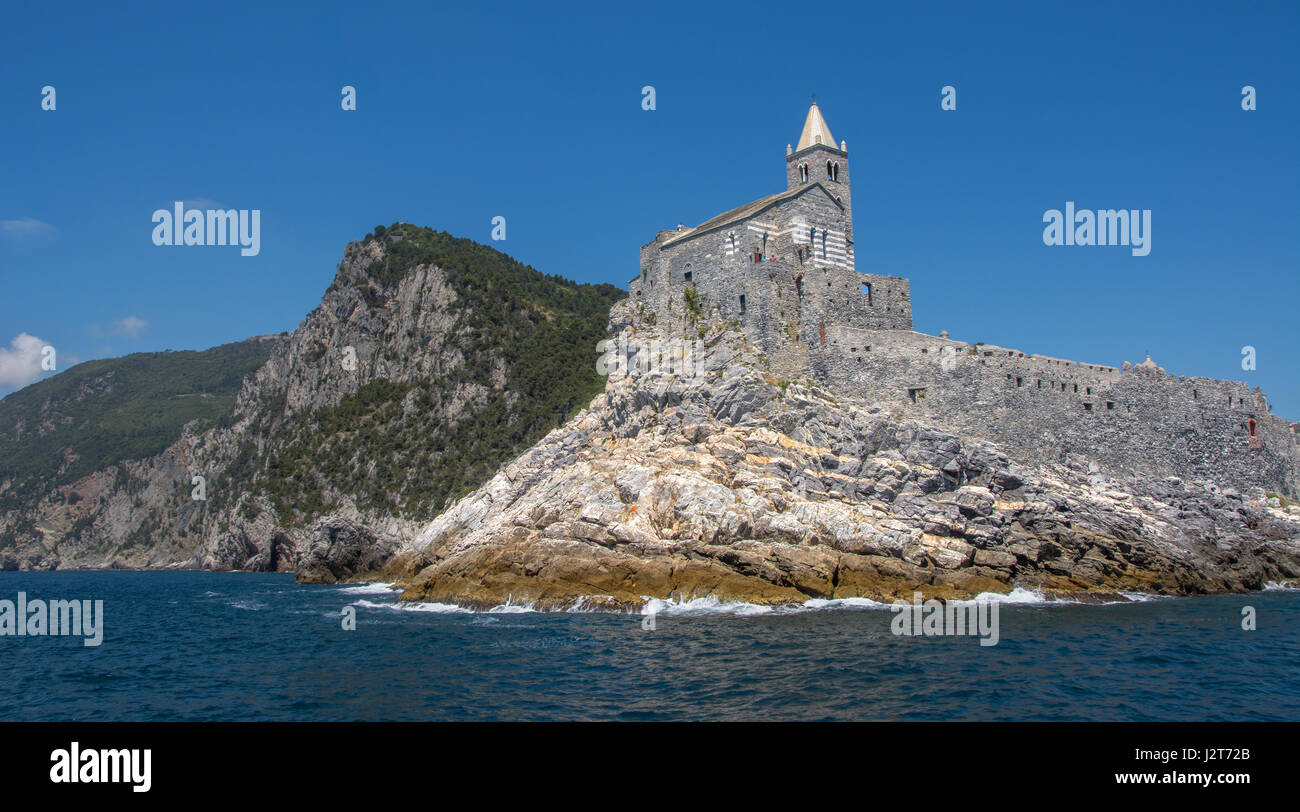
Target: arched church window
x=829, y=173
x=803, y=173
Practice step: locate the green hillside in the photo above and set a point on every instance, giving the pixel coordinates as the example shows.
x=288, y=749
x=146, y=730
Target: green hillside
x=409, y=463
x=102, y=412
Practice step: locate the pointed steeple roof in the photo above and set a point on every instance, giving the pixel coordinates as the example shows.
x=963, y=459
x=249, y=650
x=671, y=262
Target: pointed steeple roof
x=815, y=130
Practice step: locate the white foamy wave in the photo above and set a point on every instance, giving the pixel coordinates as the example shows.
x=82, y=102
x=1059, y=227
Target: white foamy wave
x=1274, y=586
x=507, y=608
x=1034, y=597
x=1143, y=597
x=713, y=606
x=1019, y=595
x=249, y=606
x=843, y=603
x=580, y=605
x=436, y=608
x=512, y=609
x=702, y=606
x=375, y=588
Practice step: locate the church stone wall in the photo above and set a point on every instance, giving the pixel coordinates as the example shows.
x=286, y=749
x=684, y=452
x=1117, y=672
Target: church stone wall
x=798, y=292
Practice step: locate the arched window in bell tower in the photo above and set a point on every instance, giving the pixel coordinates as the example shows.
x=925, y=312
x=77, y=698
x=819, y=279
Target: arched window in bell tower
x=803, y=173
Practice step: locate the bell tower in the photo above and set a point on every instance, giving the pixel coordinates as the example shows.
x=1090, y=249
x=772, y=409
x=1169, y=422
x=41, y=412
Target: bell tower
x=817, y=159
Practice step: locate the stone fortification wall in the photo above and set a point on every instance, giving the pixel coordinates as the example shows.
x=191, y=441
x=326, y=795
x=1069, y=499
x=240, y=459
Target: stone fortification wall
x=1135, y=420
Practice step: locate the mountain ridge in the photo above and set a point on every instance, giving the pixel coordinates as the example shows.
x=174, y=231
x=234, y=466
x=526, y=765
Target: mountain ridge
x=418, y=332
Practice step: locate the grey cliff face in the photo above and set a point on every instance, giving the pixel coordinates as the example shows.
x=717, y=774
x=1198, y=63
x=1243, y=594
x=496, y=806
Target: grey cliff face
x=341, y=550
x=381, y=332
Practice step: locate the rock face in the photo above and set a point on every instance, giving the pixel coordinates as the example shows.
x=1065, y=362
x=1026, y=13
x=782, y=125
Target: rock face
x=430, y=361
x=341, y=550
x=95, y=462
x=734, y=484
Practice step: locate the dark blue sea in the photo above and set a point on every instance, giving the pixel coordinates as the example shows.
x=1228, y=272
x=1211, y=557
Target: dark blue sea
x=227, y=646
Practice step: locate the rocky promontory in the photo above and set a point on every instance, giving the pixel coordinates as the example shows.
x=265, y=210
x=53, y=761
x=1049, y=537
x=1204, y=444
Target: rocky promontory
x=734, y=484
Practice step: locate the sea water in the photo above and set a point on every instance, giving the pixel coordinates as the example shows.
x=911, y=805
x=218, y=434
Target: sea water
x=235, y=646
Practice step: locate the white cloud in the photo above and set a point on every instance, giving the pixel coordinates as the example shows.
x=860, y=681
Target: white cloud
x=26, y=227
x=131, y=327
x=20, y=363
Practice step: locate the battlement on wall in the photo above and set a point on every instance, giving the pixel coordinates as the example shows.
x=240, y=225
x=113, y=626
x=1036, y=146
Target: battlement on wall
x=851, y=339
x=1134, y=419
x=926, y=357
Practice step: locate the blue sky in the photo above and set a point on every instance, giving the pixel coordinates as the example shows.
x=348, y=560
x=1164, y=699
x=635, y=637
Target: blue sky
x=533, y=112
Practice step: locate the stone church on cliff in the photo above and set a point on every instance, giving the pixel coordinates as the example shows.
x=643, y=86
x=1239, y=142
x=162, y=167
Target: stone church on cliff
x=784, y=269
